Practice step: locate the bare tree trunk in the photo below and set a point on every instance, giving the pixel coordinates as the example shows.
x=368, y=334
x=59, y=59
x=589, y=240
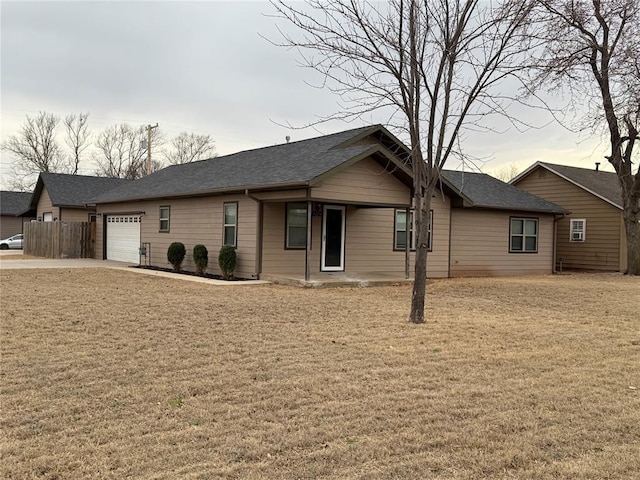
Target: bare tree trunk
x=423, y=205
x=632, y=227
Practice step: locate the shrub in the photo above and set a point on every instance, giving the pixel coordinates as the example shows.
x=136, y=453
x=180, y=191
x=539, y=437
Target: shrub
x=176, y=254
x=227, y=260
x=201, y=258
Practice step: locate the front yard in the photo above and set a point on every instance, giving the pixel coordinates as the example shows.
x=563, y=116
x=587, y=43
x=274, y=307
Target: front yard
x=110, y=374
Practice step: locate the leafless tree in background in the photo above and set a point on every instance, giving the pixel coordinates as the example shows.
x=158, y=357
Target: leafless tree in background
x=35, y=150
x=77, y=139
x=593, y=50
x=507, y=173
x=431, y=65
x=122, y=151
x=189, y=147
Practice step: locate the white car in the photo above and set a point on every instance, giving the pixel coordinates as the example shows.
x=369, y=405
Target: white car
x=11, y=242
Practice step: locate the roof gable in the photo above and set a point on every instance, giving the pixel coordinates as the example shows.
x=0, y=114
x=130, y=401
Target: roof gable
x=479, y=190
x=604, y=185
x=280, y=166
x=72, y=190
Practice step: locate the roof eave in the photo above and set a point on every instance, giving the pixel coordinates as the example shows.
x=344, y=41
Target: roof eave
x=521, y=209
x=206, y=193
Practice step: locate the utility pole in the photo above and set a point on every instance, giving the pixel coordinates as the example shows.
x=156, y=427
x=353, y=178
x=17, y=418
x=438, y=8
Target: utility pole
x=149, y=128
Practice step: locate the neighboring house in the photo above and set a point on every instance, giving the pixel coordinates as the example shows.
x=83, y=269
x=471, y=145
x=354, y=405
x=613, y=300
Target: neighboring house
x=59, y=196
x=592, y=236
x=336, y=203
x=12, y=205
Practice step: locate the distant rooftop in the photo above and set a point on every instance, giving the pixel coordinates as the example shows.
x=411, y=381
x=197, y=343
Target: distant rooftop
x=13, y=203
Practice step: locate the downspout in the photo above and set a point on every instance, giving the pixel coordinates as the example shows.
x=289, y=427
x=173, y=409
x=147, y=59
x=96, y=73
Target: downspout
x=259, y=229
x=307, y=253
x=556, y=219
x=450, y=239
x=407, y=247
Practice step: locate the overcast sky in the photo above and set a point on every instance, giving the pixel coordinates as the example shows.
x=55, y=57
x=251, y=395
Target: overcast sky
x=200, y=67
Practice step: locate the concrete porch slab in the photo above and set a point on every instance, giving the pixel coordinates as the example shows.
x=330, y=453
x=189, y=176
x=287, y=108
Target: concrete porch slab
x=338, y=279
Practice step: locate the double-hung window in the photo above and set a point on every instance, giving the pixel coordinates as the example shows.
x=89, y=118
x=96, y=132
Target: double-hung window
x=523, y=235
x=296, y=230
x=230, y=234
x=165, y=214
x=578, y=230
x=402, y=234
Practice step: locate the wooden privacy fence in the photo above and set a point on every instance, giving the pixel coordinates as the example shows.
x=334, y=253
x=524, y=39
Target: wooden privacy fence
x=59, y=239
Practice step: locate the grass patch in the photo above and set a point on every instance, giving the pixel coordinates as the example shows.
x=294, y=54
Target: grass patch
x=18, y=256
x=511, y=378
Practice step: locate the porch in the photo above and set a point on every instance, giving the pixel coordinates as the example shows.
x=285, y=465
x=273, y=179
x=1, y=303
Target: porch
x=338, y=279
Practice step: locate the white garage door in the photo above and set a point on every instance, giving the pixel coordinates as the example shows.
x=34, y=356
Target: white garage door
x=123, y=238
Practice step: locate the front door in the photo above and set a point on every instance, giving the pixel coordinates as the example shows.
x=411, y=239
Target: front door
x=333, y=238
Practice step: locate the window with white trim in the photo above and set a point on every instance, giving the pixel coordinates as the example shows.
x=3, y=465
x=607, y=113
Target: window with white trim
x=400, y=230
x=165, y=215
x=523, y=234
x=296, y=229
x=578, y=230
x=230, y=231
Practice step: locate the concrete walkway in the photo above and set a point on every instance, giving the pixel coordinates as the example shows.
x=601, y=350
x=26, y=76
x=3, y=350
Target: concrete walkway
x=31, y=263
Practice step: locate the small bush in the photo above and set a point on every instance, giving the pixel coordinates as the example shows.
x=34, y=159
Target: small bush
x=227, y=260
x=176, y=254
x=201, y=258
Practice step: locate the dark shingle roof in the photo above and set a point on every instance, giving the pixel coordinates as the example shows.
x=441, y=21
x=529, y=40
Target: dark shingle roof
x=295, y=163
x=73, y=190
x=484, y=191
x=602, y=184
x=13, y=203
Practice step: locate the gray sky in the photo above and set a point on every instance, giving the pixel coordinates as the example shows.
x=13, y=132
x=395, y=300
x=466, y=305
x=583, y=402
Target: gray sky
x=199, y=67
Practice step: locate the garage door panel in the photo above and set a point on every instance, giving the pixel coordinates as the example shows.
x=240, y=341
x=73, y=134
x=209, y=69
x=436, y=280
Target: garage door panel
x=123, y=238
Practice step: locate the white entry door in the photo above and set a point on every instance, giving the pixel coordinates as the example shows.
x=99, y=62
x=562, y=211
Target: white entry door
x=123, y=238
x=333, y=228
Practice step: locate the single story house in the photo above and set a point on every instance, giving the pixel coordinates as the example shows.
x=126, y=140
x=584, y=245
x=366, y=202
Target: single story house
x=335, y=203
x=60, y=196
x=12, y=206
x=593, y=236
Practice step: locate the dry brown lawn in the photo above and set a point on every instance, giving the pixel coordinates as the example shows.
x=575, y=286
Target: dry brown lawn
x=19, y=256
x=112, y=375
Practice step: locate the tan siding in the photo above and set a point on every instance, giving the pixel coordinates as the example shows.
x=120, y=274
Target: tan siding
x=370, y=241
x=45, y=205
x=192, y=221
x=363, y=182
x=368, y=245
x=275, y=258
x=10, y=226
x=480, y=245
x=602, y=246
x=288, y=195
x=75, y=214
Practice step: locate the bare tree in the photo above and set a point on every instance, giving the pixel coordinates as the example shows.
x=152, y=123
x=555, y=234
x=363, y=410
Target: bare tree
x=122, y=151
x=507, y=173
x=35, y=149
x=189, y=147
x=77, y=139
x=594, y=49
x=429, y=65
